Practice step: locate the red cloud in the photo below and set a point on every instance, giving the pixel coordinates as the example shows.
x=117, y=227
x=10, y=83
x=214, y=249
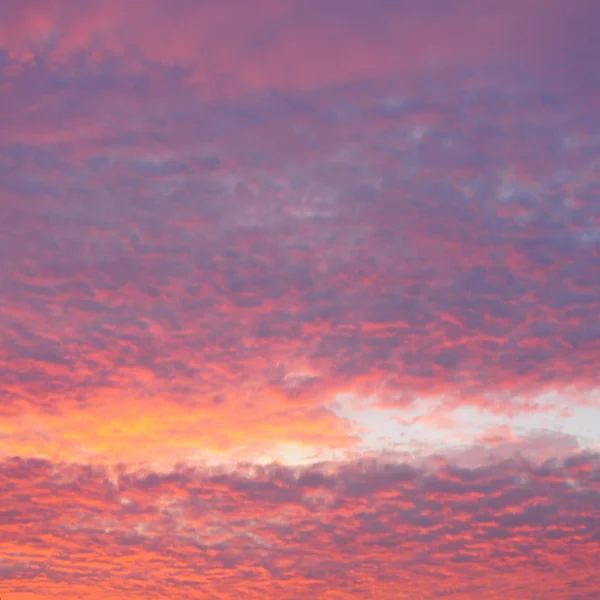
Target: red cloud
x=220, y=216
x=248, y=260
x=352, y=530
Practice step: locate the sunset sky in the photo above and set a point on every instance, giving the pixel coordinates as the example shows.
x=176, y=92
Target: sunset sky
x=300, y=299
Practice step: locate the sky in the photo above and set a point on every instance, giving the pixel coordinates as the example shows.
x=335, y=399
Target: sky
x=300, y=299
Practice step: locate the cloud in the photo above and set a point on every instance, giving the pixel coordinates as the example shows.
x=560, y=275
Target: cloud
x=362, y=232
x=302, y=45
x=286, y=233
x=294, y=533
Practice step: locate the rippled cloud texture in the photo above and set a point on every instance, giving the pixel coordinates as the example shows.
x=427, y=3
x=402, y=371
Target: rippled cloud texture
x=300, y=299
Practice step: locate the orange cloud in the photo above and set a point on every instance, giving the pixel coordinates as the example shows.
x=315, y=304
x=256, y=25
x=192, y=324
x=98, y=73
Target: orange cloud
x=140, y=430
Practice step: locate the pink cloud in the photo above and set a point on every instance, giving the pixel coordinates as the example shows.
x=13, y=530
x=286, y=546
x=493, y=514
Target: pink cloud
x=217, y=218
x=300, y=45
x=289, y=533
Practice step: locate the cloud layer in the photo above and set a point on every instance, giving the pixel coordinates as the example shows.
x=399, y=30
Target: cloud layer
x=280, y=247
x=282, y=232
x=372, y=528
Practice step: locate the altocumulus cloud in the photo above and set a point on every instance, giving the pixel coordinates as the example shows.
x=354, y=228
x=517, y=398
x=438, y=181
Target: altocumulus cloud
x=372, y=526
x=229, y=229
